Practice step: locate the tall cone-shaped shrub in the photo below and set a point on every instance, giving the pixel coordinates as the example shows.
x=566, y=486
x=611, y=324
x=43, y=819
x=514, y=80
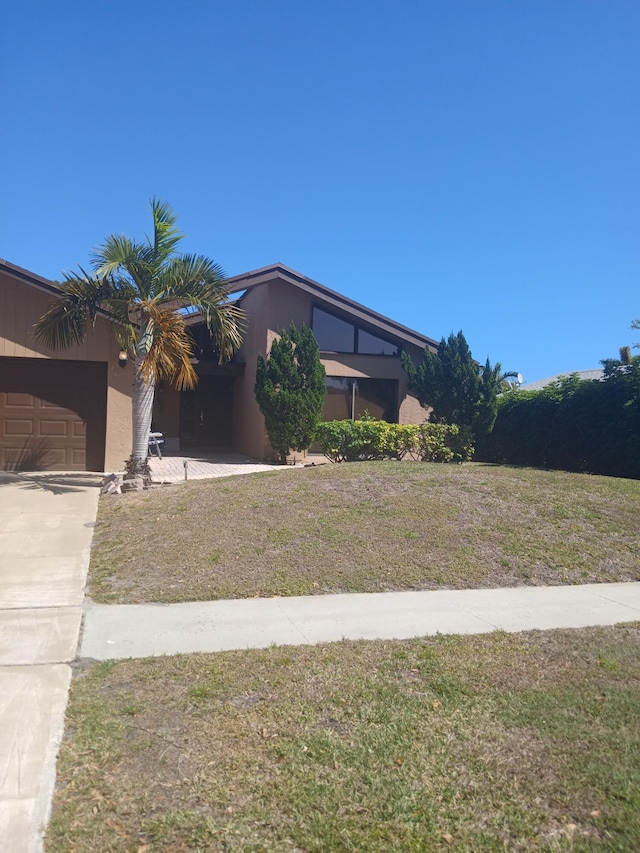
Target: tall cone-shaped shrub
x=290, y=390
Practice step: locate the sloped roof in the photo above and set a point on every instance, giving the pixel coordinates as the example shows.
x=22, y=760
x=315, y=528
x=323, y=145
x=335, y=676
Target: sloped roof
x=255, y=278
x=40, y=283
x=247, y=281
x=29, y=278
x=595, y=374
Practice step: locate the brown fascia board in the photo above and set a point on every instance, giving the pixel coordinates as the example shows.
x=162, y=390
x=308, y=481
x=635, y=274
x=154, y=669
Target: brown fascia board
x=247, y=281
x=30, y=278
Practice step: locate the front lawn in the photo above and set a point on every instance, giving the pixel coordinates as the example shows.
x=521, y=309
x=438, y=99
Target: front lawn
x=365, y=527
x=484, y=743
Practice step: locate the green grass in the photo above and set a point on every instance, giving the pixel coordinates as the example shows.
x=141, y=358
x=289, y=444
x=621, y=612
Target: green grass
x=482, y=743
x=365, y=527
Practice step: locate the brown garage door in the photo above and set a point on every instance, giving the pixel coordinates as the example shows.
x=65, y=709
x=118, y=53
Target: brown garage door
x=52, y=415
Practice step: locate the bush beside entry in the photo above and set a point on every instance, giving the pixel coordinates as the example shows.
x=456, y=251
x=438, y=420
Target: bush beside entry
x=368, y=439
x=290, y=390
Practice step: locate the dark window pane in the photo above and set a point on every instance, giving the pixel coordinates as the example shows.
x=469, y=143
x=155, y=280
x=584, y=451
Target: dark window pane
x=379, y=397
x=373, y=345
x=332, y=333
x=337, y=403
x=350, y=398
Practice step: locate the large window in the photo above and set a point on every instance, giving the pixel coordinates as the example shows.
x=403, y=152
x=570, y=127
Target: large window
x=350, y=398
x=373, y=345
x=334, y=334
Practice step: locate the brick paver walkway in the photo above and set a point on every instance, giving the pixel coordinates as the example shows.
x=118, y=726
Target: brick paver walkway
x=203, y=466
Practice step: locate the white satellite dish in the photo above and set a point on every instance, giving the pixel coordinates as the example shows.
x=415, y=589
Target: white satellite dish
x=519, y=379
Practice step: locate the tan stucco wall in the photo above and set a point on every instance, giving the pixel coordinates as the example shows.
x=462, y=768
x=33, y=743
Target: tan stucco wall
x=249, y=432
x=288, y=304
x=21, y=305
x=411, y=412
x=119, y=426
x=274, y=306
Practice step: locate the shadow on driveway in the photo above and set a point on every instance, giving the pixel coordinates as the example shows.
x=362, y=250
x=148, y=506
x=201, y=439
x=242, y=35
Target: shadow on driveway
x=57, y=483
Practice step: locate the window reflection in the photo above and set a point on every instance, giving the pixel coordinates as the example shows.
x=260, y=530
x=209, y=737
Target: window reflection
x=350, y=398
x=373, y=345
x=334, y=334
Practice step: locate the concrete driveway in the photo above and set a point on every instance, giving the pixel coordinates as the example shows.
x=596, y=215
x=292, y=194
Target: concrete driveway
x=46, y=525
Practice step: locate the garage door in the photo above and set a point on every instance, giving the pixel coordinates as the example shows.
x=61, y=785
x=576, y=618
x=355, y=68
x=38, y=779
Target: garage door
x=52, y=415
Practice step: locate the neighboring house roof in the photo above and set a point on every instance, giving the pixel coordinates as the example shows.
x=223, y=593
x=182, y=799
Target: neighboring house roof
x=581, y=374
x=252, y=279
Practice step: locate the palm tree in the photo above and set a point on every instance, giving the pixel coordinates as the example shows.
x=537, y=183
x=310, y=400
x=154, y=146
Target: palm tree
x=147, y=289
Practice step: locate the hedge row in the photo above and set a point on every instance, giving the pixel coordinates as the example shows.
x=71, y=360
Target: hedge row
x=574, y=425
x=368, y=439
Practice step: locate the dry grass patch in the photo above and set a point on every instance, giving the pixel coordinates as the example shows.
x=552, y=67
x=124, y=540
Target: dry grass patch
x=365, y=527
x=519, y=742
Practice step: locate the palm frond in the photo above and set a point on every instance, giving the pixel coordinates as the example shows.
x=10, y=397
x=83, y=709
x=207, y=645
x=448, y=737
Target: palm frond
x=145, y=282
x=131, y=265
x=114, y=253
x=185, y=273
x=65, y=321
x=226, y=324
x=170, y=349
x=198, y=282
x=124, y=307
x=166, y=235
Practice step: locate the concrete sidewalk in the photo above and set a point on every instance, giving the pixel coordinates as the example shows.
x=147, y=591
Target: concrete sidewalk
x=141, y=630
x=46, y=526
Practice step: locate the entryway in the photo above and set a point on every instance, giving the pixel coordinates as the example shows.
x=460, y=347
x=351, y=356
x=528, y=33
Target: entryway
x=206, y=413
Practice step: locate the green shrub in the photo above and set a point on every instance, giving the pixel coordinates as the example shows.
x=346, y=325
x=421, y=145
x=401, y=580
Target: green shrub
x=290, y=390
x=351, y=441
x=573, y=425
x=368, y=439
x=444, y=443
x=458, y=389
x=400, y=439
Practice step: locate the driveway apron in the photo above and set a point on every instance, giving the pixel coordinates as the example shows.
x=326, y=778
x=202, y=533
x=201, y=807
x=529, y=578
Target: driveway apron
x=46, y=526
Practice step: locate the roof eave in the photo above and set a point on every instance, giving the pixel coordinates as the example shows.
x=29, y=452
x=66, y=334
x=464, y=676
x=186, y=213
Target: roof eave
x=247, y=281
x=44, y=284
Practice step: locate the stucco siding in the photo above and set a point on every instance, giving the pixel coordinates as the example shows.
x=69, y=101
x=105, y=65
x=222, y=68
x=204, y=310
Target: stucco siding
x=249, y=433
x=287, y=304
x=21, y=306
x=119, y=424
x=411, y=412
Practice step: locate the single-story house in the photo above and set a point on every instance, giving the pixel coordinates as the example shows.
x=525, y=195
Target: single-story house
x=71, y=410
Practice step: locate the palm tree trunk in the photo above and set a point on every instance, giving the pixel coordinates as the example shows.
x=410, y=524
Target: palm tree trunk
x=142, y=407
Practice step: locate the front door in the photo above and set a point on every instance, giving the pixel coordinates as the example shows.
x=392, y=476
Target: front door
x=206, y=413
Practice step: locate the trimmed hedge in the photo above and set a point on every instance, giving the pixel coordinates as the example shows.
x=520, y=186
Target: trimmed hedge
x=573, y=425
x=368, y=439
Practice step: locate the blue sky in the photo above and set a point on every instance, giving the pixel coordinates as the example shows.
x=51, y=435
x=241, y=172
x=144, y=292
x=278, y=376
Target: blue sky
x=458, y=164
